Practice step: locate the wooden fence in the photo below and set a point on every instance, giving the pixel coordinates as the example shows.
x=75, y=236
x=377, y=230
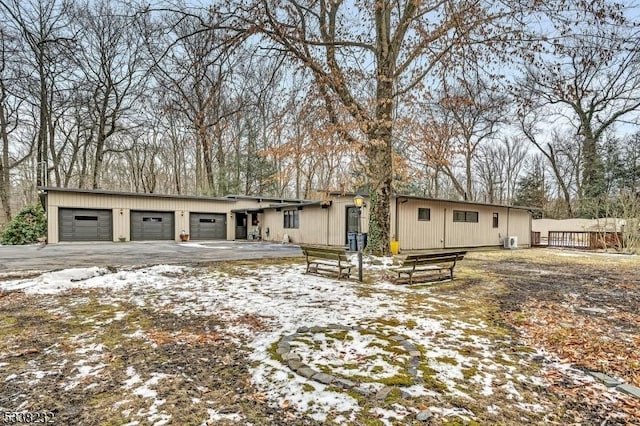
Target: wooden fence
x=587, y=239
x=535, y=238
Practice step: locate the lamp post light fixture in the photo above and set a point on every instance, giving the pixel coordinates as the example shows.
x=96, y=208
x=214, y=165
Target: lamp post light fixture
x=358, y=200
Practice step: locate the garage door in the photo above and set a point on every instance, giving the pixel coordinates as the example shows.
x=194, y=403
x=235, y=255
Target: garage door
x=208, y=226
x=152, y=226
x=85, y=225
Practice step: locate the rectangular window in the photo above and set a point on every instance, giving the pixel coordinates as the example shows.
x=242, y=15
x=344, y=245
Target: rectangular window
x=495, y=220
x=291, y=219
x=92, y=218
x=465, y=216
x=152, y=219
x=207, y=220
x=424, y=214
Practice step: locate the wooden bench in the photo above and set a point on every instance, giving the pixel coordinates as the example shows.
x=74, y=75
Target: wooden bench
x=326, y=259
x=419, y=266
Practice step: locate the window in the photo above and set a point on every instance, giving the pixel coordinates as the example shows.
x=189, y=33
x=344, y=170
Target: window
x=92, y=218
x=152, y=219
x=291, y=219
x=424, y=214
x=495, y=220
x=465, y=216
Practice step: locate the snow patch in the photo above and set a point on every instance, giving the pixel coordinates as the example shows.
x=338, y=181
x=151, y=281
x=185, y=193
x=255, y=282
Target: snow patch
x=215, y=416
x=94, y=277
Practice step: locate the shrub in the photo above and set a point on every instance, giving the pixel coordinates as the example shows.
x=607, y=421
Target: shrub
x=26, y=227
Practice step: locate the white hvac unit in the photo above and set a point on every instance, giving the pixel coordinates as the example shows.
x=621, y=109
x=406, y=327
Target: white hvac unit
x=511, y=242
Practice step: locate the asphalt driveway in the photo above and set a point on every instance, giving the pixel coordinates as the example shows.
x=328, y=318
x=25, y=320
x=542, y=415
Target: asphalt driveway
x=20, y=259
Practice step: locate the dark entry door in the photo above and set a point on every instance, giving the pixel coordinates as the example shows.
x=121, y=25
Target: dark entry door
x=241, y=226
x=352, y=222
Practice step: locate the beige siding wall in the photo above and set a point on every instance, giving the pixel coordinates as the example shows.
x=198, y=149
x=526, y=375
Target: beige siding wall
x=442, y=232
x=314, y=223
x=52, y=223
x=272, y=225
x=338, y=218
x=395, y=230
x=471, y=234
x=414, y=234
x=577, y=225
x=322, y=226
x=121, y=206
x=121, y=224
x=520, y=226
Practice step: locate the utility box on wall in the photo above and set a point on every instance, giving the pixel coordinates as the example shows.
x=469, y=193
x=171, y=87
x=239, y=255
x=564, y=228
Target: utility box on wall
x=511, y=242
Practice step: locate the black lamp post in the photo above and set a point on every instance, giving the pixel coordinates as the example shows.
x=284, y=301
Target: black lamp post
x=358, y=200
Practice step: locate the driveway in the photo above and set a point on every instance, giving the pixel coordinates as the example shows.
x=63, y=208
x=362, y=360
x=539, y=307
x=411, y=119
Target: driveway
x=20, y=259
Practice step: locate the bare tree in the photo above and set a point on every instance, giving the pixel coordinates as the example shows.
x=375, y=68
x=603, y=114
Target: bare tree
x=475, y=109
x=588, y=77
x=9, y=110
x=563, y=154
x=42, y=26
x=497, y=168
x=193, y=63
x=114, y=66
x=365, y=58
x=426, y=139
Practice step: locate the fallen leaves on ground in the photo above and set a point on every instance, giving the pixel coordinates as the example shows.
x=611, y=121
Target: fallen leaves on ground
x=594, y=342
x=161, y=338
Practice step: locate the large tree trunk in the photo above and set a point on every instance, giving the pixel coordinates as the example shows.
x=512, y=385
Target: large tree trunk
x=563, y=186
x=378, y=150
x=379, y=159
x=5, y=183
x=98, y=160
x=468, y=194
x=42, y=154
x=222, y=166
x=592, y=168
x=207, y=161
x=102, y=136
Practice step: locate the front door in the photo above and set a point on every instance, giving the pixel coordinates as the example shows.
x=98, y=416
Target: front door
x=241, y=226
x=352, y=222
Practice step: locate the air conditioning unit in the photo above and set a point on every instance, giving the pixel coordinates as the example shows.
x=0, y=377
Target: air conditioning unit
x=511, y=242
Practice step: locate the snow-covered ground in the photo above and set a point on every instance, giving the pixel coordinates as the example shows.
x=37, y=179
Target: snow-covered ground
x=457, y=353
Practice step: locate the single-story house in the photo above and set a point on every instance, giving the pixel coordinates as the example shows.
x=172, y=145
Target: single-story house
x=416, y=222
x=99, y=215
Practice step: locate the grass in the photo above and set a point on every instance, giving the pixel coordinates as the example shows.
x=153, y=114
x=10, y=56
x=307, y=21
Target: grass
x=477, y=345
x=447, y=360
x=339, y=335
x=469, y=372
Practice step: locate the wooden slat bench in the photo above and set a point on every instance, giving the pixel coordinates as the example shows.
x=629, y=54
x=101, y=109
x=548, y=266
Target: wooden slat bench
x=326, y=259
x=420, y=266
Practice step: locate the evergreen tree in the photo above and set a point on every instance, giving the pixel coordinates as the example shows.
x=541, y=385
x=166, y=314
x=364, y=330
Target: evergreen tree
x=531, y=190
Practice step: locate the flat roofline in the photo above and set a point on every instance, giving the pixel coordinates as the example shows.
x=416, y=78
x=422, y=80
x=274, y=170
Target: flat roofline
x=281, y=202
x=248, y=210
x=471, y=203
x=300, y=204
x=46, y=189
x=441, y=200
x=261, y=198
